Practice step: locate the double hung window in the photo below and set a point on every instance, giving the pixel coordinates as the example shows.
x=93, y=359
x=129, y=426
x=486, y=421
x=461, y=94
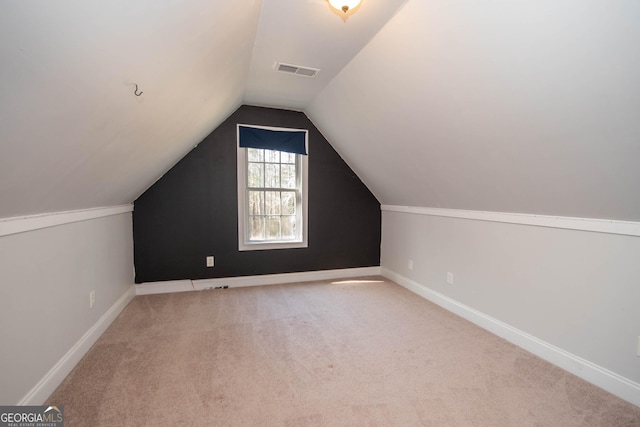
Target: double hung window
x=272, y=188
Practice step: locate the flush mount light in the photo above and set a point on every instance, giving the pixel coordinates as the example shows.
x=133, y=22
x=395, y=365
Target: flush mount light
x=344, y=5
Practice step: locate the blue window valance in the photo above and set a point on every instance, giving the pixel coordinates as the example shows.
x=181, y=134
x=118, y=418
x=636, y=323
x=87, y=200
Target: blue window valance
x=290, y=141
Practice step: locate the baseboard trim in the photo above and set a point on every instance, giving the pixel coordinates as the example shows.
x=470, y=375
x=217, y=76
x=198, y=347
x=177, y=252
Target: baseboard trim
x=149, y=288
x=52, y=379
x=168, y=287
x=595, y=374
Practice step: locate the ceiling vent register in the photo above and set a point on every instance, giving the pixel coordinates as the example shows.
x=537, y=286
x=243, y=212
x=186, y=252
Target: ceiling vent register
x=296, y=69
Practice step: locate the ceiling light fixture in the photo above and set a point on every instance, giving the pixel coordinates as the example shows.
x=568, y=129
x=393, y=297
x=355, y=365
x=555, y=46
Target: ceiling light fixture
x=344, y=5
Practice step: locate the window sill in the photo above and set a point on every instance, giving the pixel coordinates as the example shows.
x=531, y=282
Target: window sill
x=261, y=246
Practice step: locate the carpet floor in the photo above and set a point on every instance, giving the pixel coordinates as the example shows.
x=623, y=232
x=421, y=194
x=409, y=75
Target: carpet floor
x=342, y=353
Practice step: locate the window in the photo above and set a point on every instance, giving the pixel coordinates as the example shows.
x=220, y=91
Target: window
x=272, y=188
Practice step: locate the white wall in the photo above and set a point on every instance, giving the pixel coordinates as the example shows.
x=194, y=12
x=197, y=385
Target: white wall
x=45, y=279
x=576, y=290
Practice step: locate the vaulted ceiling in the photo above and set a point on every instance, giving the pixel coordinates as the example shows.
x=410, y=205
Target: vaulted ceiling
x=497, y=105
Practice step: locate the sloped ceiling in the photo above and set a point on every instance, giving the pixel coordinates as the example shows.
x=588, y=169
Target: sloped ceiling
x=512, y=106
x=72, y=132
x=502, y=105
x=311, y=34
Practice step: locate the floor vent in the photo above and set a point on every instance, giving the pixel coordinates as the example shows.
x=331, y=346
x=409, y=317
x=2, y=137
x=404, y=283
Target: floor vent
x=296, y=69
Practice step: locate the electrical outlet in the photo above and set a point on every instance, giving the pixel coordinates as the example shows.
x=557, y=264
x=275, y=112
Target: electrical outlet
x=92, y=299
x=450, y=278
x=410, y=264
x=210, y=261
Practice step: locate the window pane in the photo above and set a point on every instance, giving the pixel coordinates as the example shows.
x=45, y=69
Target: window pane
x=273, y=228
x=272, y=176
x=288, y=176
x=272, y=199
x=288, y=227
x=288, y=203
x=255, y=155
x=270, y=212
x=287, y=157
x=256, y=223
x=256, y=202
x=271, y=156
x=256, y=175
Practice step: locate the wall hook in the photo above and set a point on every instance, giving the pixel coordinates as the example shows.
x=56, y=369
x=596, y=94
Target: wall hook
x=135, y=92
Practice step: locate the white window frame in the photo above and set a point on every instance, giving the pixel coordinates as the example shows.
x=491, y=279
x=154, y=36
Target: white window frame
x=244, y=244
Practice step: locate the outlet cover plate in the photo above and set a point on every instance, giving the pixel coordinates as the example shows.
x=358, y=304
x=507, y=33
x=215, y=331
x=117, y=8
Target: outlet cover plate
x=450, y=278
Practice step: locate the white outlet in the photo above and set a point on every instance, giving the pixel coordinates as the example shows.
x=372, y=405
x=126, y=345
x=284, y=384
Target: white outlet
x=410, y=264
x=92, y=299
x=450, y=278
x=210, y=261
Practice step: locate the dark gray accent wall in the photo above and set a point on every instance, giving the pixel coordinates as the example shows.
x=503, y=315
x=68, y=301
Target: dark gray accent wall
x=191, y=212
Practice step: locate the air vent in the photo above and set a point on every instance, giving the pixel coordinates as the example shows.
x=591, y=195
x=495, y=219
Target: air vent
x=296, y=69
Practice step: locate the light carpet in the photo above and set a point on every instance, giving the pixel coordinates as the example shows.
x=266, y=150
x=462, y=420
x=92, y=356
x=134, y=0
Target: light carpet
x=344, y=353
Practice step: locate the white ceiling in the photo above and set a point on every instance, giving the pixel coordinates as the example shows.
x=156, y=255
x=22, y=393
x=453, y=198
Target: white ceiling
x=308, y=33
x=499, y=105
x=509, y=106
x=72, y=133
